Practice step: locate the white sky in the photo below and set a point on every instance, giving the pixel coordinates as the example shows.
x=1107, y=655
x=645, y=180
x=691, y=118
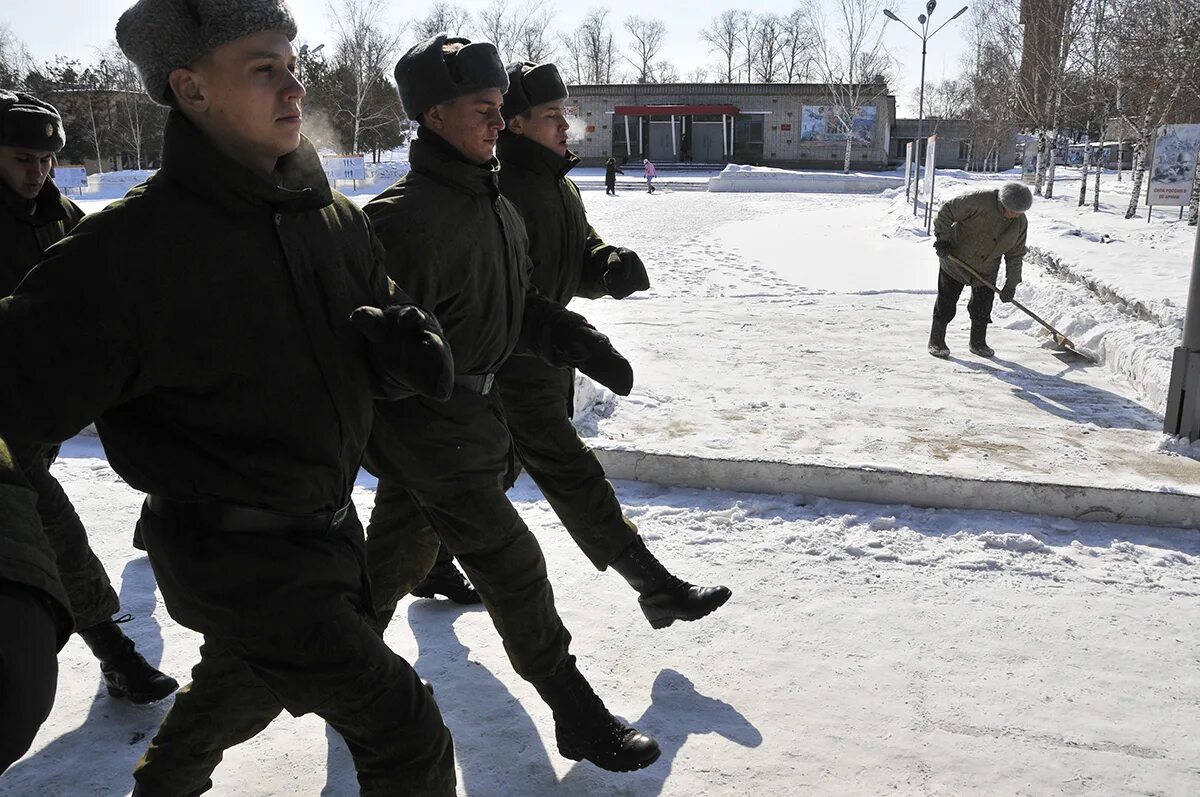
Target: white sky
x=72, y=27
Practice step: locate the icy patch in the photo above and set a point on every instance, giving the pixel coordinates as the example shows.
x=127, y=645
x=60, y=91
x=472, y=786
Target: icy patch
x=1017, y=543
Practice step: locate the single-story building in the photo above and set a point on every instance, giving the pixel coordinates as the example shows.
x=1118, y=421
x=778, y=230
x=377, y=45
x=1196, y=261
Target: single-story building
x=961, y=143
x=787, y=125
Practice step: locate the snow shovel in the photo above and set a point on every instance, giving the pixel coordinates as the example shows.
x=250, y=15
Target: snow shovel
x=1060, y=340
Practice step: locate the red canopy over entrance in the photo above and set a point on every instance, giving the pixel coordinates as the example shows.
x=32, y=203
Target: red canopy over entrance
x=675, y=110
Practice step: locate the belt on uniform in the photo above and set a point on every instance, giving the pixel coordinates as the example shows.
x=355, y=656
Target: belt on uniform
x=225, y=517
x=476, y=383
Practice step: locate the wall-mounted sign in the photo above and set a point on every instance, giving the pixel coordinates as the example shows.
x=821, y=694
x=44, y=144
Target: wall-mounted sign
x=70, y=177
x=344, y=167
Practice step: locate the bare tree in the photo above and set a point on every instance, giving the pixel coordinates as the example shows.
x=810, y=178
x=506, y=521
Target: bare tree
x=591, y=49
x=769, y=47
x=664, y=72
x=1159, y=56
x=722, y=36
x=443, y=17
x=795, y=47
x=135, y=119
x=532, y=39
x=748, y=42
x=15, y=62
x=697, y=75
x=648, y=36
x=851, y=60
x=363, y=57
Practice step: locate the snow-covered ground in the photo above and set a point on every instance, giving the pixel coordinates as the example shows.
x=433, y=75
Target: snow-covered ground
x=867, y=650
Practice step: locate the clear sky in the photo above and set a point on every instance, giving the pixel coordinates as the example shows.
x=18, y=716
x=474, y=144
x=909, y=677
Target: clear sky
x=73, y=27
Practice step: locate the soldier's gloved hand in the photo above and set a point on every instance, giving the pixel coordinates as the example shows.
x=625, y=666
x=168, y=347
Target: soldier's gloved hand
x=410, y=350
x=592, y=352
x=624, y=274
x=942, y=247
x=1008, y=292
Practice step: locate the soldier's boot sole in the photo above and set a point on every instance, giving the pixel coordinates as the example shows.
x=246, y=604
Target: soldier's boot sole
x=941, y=352
x=982, y=351
x=663, y=609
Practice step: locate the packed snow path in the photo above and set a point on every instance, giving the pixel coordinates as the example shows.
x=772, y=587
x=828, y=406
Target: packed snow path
x=866, y=650
x=793, y=327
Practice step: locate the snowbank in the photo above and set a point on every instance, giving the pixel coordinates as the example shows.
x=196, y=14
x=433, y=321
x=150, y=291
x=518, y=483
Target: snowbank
x=739, y=178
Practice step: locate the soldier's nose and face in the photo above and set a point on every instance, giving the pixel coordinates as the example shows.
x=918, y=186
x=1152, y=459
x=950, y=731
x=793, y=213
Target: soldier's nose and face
x=470, y=123
x=24, y=171
x=251, y=97
x=546, y=124
x=1011, y=214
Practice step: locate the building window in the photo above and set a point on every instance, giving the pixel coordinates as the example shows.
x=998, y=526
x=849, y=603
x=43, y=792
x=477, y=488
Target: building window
x=964, y=150
x=748, y=139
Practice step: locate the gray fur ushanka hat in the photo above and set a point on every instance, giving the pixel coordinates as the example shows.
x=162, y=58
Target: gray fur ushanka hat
x=30, y=123
x=162, y=35
x=427, y=76
x=531, y=84
x=1016, y=197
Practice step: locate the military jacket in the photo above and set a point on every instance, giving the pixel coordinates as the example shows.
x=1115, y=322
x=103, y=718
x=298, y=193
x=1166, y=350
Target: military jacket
x=29, y=227
x=459, y=249
x=974, y=223
x=568, y=256
x=203, y=322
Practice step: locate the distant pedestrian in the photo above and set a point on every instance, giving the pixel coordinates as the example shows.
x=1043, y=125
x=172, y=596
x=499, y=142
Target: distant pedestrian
x=611, y=170
x=651, y=173
x=977, y=229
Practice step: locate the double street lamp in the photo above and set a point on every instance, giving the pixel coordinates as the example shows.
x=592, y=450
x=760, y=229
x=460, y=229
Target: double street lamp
x=923, y=20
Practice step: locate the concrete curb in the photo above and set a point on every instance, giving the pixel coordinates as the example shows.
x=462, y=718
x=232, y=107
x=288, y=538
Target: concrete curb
x=1077, y=502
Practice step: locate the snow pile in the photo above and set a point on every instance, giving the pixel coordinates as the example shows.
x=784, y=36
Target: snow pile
x=593, y=403
x=1179, y=445
x=740, y=178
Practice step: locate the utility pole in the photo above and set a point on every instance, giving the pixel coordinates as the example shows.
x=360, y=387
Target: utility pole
x=1183, y=397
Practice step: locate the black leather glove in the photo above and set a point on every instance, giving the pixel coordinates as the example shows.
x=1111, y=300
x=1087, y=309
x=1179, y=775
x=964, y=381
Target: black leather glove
x=624, y=274
x=592, y=352
x=410, y=352
x=1008, y=292
x=942, y=247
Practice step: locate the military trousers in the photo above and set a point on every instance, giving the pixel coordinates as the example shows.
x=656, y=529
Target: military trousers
x=950, y=289
x=93, y=600
x=28, y=668
x=287, y=625
x=450, y=464
x=538, y=402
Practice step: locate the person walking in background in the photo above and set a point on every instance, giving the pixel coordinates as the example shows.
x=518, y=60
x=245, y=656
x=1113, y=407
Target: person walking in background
x=611, y=170
x=651, y=173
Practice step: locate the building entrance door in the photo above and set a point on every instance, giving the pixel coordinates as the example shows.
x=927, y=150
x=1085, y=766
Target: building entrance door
x=708, y=145
x=659, y=147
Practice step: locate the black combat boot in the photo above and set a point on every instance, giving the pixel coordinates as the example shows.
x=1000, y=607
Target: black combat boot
x=979, y=339
x=126, y=673
x=137, y=536
x=585, y=729
x=444, y=579
x=665, y=598
x=937, y=340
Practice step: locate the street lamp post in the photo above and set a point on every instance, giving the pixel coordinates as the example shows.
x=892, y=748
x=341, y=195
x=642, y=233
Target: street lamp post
x=923, y=20
x=1183, y=396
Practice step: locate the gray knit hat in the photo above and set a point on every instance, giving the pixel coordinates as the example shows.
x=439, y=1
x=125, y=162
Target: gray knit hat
x=1016, y=197
x=27, y=122
x=531, y=84
x=428, y=76
x=162, y=35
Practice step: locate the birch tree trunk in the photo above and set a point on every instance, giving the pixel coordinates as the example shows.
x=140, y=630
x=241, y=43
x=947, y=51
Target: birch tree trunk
x=1194, y=214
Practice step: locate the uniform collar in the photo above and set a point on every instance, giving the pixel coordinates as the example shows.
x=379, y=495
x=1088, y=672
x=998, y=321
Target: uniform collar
x=45, y=208
x=434, y=157
x=528, y=154
x=191, y=159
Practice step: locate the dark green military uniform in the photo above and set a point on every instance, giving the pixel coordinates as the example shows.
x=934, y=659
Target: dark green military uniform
x=204, y=321
x=35, y=617
x=569, y=259
x=460, y=250
x=27, y=229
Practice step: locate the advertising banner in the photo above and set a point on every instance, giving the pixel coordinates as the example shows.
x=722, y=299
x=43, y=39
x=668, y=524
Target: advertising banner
x=930, y=173
x=1173, y=165
x=818, y=123
x=344, y=167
